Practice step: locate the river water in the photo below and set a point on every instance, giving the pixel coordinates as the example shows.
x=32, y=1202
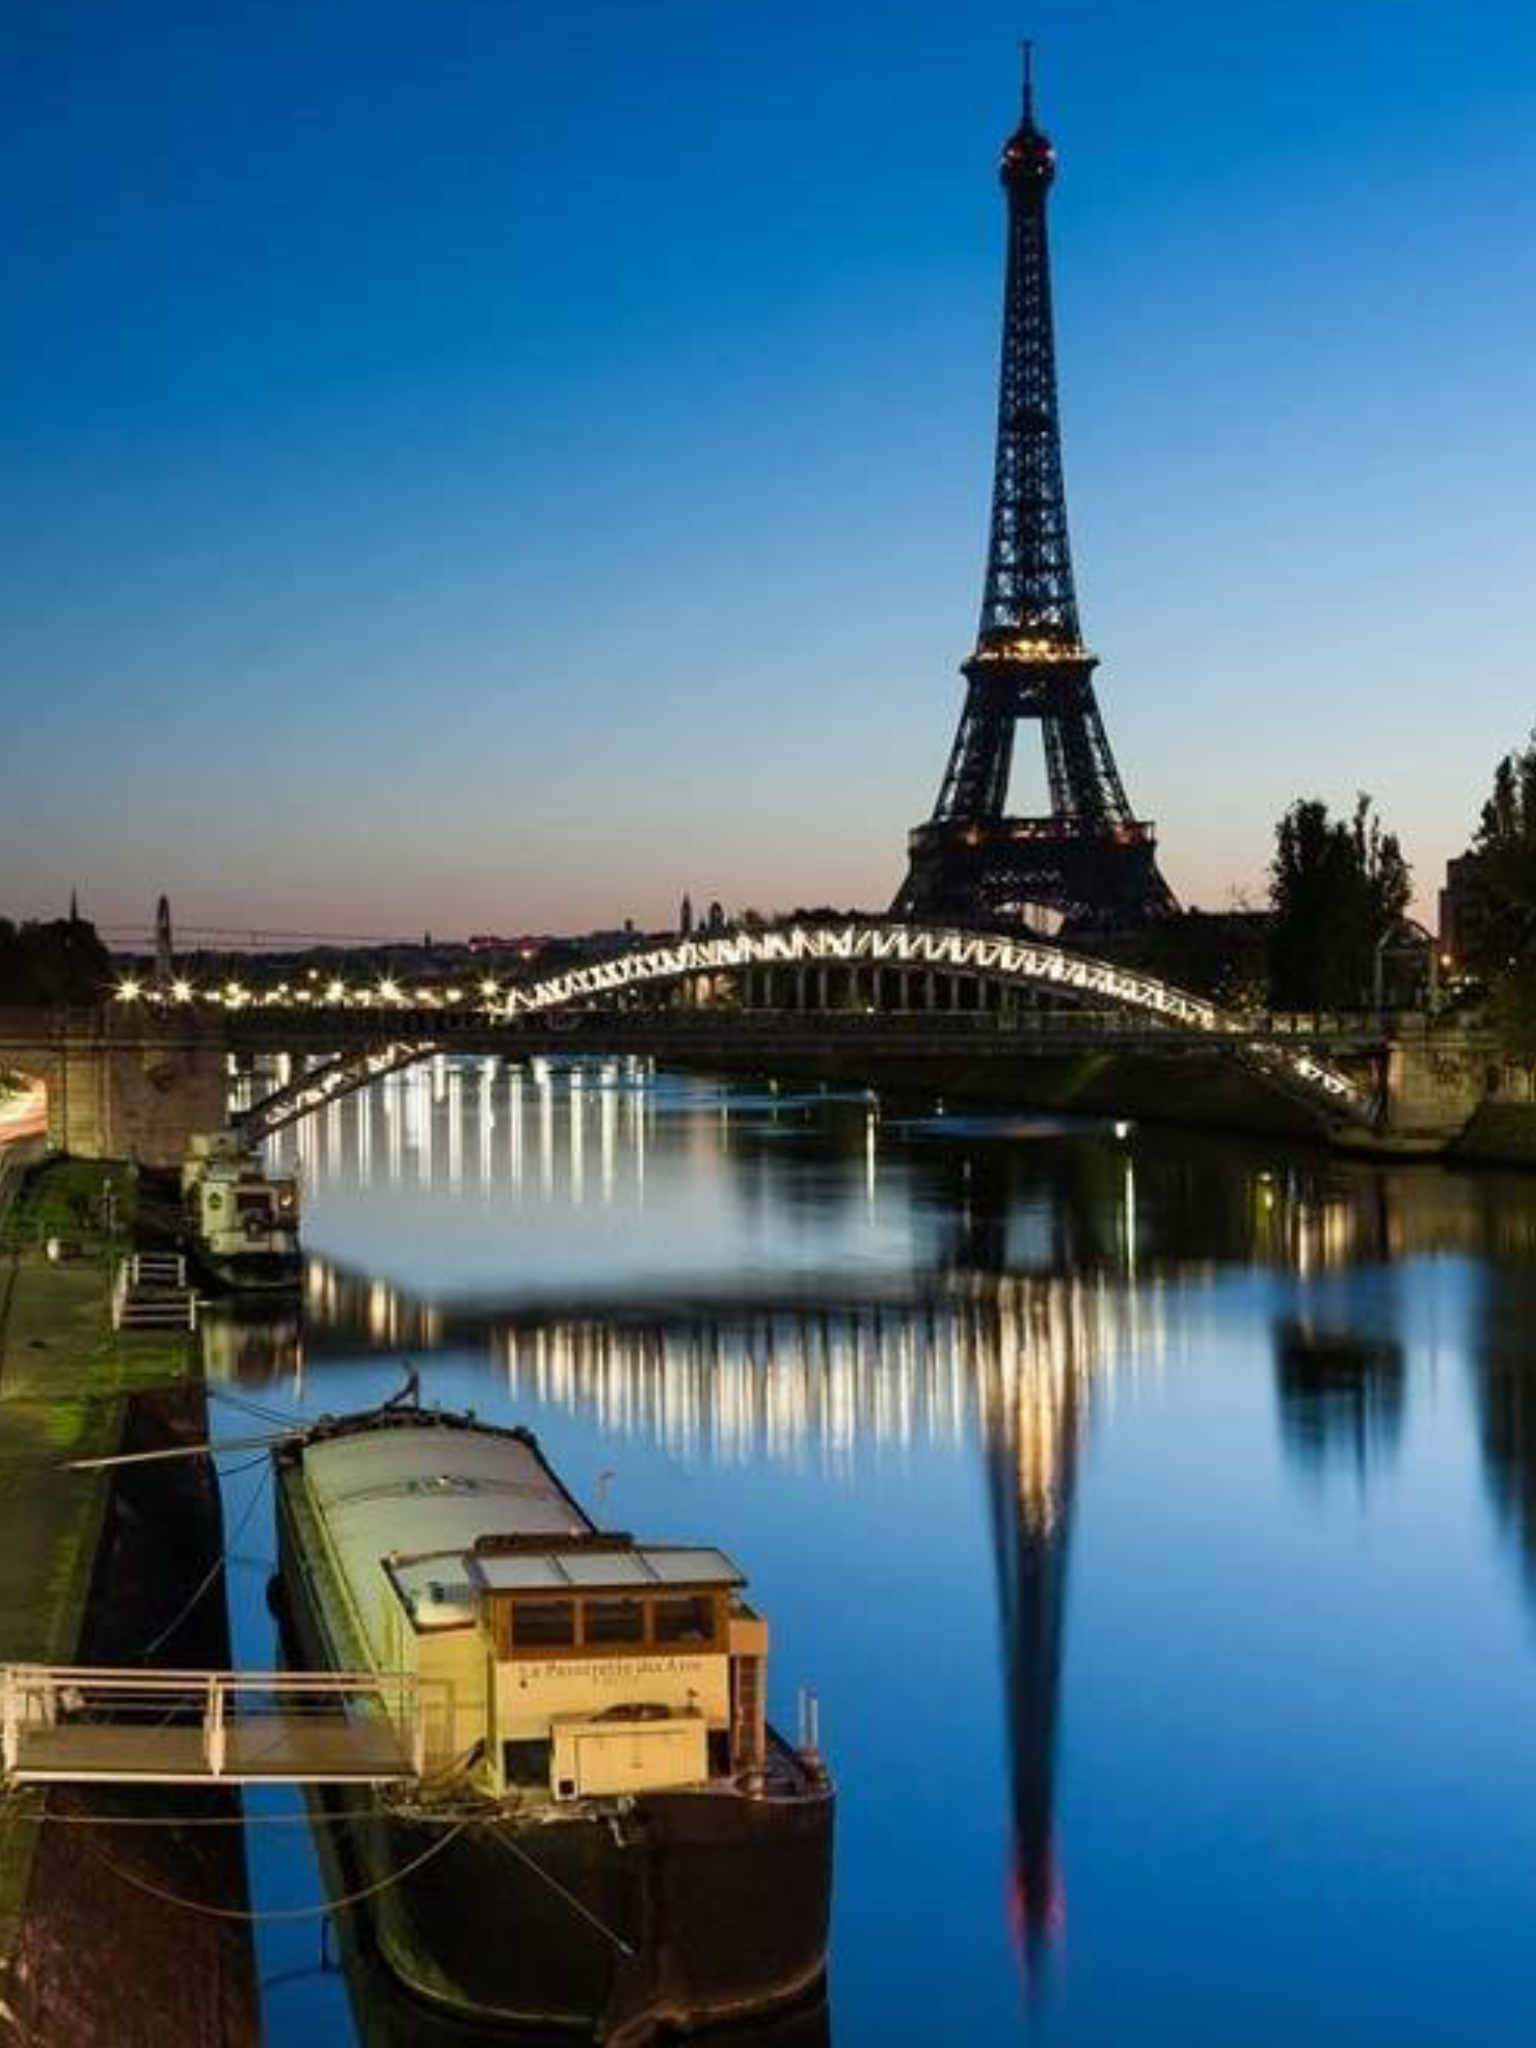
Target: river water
x=1154, y=1518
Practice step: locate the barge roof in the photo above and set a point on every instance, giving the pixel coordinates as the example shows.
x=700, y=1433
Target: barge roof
x=650, y=1565
x=414, y=1491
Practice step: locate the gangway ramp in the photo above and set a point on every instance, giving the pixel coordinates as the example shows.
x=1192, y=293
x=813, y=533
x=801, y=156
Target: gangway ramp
x=73, y=1724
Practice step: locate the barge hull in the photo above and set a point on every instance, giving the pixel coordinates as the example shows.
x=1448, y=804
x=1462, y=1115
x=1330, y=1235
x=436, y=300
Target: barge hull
x=684, y=1908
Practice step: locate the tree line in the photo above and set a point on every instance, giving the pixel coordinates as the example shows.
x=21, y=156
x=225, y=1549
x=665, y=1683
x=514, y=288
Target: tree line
x=1339, y=893
x=58, y=960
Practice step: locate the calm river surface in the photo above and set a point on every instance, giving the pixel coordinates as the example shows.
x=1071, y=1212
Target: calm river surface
x=1155, y=1518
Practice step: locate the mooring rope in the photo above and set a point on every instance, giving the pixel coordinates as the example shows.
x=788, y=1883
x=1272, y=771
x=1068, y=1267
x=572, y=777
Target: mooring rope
x=45, y=1817
x=259, y=1916
x=257, y=1408
x=569, y=1897
x=215, y=1568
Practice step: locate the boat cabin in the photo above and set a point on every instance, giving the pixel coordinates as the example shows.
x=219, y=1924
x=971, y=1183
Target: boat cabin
x=583, y=1665
x=238, y=1211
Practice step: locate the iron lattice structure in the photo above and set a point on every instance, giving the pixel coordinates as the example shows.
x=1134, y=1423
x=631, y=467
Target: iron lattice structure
x=1090, y=862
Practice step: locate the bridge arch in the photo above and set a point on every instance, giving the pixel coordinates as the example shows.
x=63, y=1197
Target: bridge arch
x=1023, y=963
x=26, y=1101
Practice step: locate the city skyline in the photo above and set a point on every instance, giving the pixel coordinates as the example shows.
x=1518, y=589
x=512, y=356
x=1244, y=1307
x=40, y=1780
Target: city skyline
x=530, y=527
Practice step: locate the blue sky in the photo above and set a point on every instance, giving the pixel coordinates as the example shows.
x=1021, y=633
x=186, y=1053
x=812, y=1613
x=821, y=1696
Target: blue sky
x=496, y=463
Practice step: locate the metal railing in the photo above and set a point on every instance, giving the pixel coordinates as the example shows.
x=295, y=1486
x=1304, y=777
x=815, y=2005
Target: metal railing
x=150, y=1292
x=64, y=1723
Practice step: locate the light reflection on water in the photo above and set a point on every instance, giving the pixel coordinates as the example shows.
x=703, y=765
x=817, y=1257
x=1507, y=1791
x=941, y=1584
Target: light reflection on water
x=1128, y=1501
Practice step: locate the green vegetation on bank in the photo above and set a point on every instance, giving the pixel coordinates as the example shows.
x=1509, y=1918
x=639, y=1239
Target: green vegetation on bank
x=65, y=1380
x=88, y=1202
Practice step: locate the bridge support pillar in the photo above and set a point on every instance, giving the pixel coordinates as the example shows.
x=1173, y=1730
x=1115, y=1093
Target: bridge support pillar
x=1433, y=1080
x=122, y=1084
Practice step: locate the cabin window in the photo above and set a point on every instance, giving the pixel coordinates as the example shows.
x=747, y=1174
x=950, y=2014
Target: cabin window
x=544, y=1624
x=525, y=1763
x=687, y=1618
x=613, y=1621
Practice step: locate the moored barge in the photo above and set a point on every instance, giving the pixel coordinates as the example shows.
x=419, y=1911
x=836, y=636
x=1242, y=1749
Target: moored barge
x=604, y=1832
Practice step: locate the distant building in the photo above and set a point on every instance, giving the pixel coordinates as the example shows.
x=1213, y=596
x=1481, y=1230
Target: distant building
x=528, y=947
x=603, y=945
x=165, y=949
x=1464, y=913
x=685, y=916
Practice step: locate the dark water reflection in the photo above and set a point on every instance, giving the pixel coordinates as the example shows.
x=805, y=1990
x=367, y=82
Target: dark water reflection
x=1156, y=1518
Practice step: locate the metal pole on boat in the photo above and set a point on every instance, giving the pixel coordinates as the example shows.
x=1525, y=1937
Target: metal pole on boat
x=809, y=1705
x=167, y=1452
x=10, y=1721
x=214, y=1726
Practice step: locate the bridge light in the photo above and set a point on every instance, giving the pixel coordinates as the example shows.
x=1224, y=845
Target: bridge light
x=453, y=995
x=181, y=991
x=389, y=990
x=489, y=990
x=129, y=990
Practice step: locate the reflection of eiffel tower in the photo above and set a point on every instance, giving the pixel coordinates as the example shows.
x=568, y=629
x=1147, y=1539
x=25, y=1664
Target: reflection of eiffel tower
x=1036, y=1410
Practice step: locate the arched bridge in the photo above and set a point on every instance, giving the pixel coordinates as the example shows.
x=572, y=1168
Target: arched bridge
x=790, y=988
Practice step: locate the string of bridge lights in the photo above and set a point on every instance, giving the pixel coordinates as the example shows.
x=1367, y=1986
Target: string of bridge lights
x=316, y=991
x=1019, y=962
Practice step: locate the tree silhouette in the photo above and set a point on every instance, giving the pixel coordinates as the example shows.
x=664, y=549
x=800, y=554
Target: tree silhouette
x=1505, y=847
x=1338, y=887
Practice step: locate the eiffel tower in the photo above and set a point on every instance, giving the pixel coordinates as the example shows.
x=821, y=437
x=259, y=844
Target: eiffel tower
x=1090, y=865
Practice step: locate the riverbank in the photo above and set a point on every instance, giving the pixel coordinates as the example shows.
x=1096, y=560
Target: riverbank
x=89, y=1563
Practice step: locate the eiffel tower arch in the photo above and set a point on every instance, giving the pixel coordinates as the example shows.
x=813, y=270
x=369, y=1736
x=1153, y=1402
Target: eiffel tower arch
x=1090, y=864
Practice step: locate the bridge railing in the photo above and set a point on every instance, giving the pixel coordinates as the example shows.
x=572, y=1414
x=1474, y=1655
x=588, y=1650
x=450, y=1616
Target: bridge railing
x=446, y=1026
